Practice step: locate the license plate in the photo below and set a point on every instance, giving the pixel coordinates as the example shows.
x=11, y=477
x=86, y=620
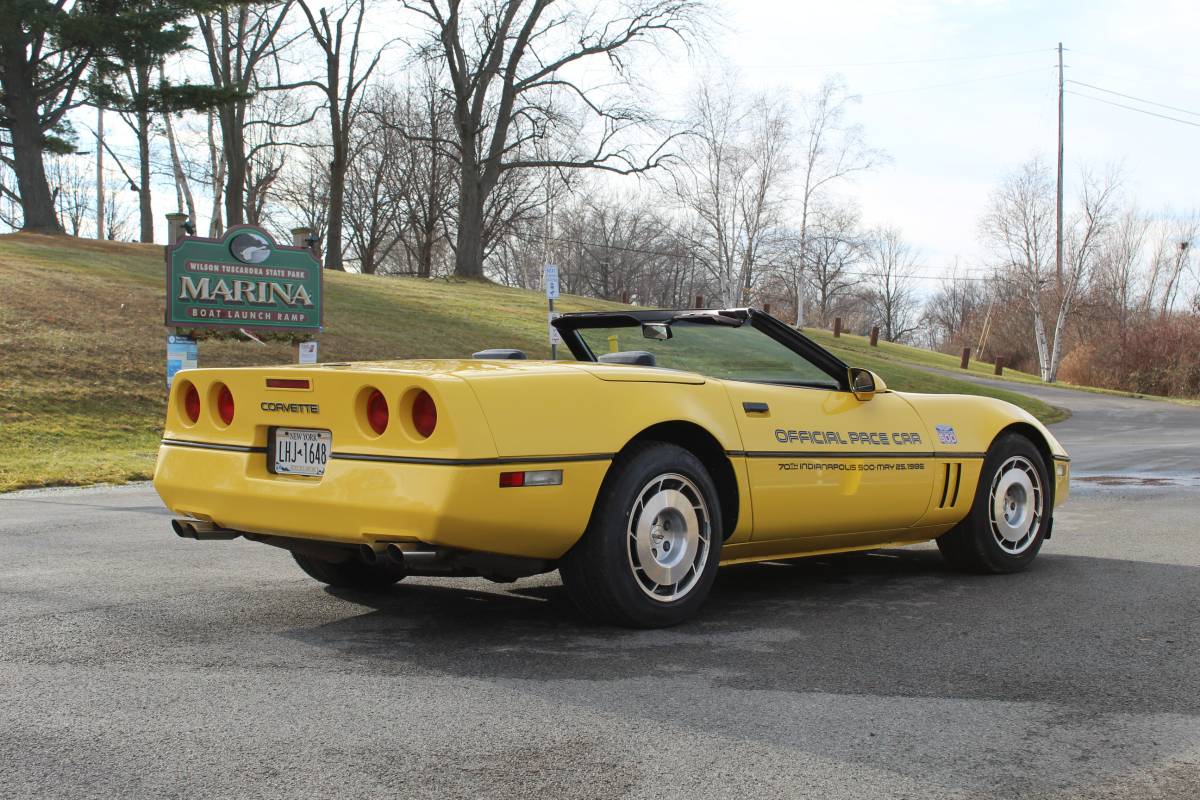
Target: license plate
x=299, y=451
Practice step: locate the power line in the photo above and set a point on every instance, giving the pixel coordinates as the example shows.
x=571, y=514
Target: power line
x=1134, y=108
x=1138, y=99
x=900, y=62
x=955, y=83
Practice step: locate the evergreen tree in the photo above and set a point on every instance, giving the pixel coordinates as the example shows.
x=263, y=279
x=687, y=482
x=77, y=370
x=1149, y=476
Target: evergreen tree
x=143, y=34
x=46, y=50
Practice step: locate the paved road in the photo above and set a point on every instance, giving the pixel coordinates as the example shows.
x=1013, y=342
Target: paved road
x=135, y=664
x=1118, y=436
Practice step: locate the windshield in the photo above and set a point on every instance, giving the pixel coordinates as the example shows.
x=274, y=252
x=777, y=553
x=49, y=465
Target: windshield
x=719, y=351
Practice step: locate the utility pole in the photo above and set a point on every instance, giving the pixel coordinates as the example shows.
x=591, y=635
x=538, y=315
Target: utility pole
x=1058, y=245
x=100, y=173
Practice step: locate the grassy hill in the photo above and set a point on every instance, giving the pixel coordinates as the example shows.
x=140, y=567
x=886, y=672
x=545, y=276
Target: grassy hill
x=82, y=349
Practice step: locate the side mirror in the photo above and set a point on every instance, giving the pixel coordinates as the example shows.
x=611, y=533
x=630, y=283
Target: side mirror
x=656, y=330
x=865, y=384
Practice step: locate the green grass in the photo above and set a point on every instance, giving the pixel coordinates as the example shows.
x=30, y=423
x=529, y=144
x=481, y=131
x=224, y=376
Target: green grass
x=82, y=349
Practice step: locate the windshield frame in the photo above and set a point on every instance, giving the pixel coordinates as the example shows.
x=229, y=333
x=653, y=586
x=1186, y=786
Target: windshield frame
x=569, y=326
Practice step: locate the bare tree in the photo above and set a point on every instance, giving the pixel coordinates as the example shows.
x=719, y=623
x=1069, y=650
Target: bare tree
x=954, y=313
x=184, y=199
x=1171, y=262
x=302, y=190
x=513, y=70
x=832, y=248
x=374, y=181
x=889, y=286
x=1119, y=265
x=345, y=75
x=832, y=149
x=422, y=178
x=238, y=40
x=734, y=168
x=118, y=215
x=276, y=130
x=1019, y=224
x=72, y=190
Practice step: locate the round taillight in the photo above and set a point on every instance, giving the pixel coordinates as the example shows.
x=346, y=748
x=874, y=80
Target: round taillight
x=424, y=414
x=377, y=412
x=225, y=404
x=191, y=402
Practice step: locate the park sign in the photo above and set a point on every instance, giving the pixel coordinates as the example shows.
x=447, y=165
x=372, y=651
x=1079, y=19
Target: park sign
x=243, y=280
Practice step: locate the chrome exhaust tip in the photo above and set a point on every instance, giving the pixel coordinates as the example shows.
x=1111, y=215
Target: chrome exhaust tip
x=368, y=554
x=202, y=529
x=395, y=554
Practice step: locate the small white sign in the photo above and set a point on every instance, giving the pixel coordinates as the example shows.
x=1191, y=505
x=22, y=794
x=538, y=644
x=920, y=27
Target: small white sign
x=182, y=353
x=308, y=352
x=550, y=281
x=555, y=338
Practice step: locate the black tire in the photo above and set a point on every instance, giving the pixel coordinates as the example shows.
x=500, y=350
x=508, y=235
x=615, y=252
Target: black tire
x=985, y=541
x=601, y=572
x=350, y=574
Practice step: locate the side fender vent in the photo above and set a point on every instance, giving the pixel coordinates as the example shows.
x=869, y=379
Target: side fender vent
x=951, y=482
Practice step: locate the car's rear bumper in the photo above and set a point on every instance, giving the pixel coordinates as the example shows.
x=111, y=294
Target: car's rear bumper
x=370, y=501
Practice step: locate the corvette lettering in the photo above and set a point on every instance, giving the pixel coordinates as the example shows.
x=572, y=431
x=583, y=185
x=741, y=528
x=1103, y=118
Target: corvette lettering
x=291, y=408
x=871, y=438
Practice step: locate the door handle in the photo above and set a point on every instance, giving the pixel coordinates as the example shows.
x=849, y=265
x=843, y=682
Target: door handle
x=756, y=408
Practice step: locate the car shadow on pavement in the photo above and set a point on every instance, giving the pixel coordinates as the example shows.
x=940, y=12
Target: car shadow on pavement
x=896, y=622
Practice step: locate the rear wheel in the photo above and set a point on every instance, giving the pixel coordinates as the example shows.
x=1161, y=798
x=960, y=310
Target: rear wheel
x=1010, y=513
x=650, y=554
x=350, y=574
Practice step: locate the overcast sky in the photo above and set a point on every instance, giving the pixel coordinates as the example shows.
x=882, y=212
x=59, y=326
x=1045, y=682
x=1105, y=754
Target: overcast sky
x=949, y=145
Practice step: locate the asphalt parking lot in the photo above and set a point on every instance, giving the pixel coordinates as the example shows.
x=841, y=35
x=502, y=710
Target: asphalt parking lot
x=136, y=664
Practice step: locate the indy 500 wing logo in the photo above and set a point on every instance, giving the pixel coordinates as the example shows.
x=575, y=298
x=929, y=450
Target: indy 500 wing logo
x=946, y=434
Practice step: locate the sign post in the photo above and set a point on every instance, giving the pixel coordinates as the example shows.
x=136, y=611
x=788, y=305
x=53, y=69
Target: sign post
x=550, y=281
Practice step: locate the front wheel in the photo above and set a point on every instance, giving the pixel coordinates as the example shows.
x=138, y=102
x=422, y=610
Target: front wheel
x=651, y=551
x=1010, y=514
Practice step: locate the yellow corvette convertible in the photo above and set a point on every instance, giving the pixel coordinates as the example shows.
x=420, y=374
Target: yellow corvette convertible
x=674, y=443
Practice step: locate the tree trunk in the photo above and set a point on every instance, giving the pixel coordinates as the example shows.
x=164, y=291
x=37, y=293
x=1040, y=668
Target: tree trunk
x=16, y=83
x=217, y=163
x=425, y=255
x=183, y=187
x=142, y=117
x=337, y=195
x=145, y=199
x=468, y=257
x=233, y=146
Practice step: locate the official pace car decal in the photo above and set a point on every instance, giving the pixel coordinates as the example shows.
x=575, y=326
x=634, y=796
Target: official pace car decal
x=946, y=434
x=870, y=438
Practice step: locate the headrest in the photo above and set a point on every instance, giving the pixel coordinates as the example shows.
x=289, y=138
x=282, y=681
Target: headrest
x=637, y=358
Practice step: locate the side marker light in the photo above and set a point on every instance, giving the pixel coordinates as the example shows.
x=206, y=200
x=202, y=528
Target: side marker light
x=540, y=477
